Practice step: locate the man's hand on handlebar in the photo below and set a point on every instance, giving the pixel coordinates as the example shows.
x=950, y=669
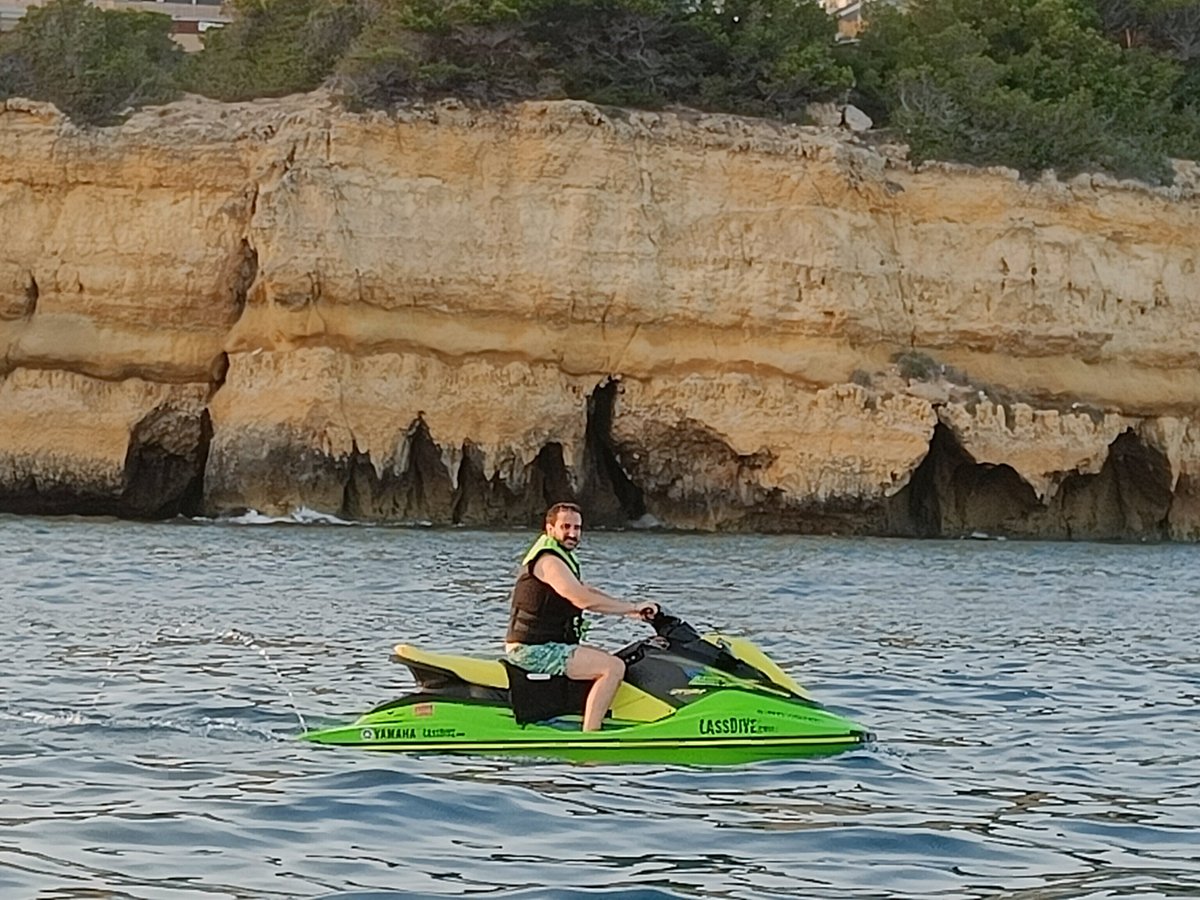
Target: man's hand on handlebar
x=645, y=611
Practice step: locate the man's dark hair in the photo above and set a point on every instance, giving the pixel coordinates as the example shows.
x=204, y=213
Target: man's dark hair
x=552, y=512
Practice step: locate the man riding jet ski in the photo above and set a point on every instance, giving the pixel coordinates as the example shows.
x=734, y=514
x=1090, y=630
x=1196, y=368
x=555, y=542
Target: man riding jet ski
x=675, y=697
x=546, y=622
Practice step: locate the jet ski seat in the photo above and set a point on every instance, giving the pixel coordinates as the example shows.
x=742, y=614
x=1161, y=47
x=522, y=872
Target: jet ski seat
x=486, y=672
x=631, y=703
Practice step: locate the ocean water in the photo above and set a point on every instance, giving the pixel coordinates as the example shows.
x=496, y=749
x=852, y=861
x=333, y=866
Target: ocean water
x=1035, y=704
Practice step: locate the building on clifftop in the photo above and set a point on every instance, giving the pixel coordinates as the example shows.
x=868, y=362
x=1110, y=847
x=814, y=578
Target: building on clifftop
x=189, y=18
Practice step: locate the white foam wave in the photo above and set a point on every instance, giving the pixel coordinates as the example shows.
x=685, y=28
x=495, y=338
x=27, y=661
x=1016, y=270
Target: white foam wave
x=53, y=720
x=204, y=726
x=300, y=516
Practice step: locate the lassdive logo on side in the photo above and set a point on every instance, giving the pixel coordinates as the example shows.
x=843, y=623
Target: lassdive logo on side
x=732, y=725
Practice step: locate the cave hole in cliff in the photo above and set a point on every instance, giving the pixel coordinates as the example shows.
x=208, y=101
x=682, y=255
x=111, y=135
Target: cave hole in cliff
x=32, y=293
x=472, y=495
x=1129, y=498
x=952, y=494
x=165, y=464
x=549, y=481
x=243, y=278
x=607, y=493
x=479, y=500
x=420, y=493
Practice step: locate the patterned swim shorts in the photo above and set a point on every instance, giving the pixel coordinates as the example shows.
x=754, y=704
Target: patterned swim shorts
x=549, y=659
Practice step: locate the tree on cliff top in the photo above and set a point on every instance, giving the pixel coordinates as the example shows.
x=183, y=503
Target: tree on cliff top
x=749, y=56
x=414, y=50
x=773, y=57
x=274, y=47
x=90, y=63
x=1170, y=28
x=1030, y=84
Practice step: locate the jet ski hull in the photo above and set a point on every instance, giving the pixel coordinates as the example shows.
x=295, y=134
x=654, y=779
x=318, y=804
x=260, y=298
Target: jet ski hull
x=731, y=726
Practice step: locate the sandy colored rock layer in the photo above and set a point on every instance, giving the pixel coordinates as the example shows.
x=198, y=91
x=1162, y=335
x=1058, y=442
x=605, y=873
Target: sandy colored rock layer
x=691, y=320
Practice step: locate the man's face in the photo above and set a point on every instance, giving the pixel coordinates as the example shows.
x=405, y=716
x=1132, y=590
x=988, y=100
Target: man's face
x=567, y=528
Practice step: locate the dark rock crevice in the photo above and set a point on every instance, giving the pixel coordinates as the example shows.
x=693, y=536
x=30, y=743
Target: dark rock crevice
x=362, y=485
x=218, y=371
x=472, y=502
x=1185, y=510
x=244, y=274
x=424, y=492
x=952, y=495
x=164, y=466
x=1129, y=499
x=548, y=482
x=479, y=500
x=420, y=493
x=32, y=294
x=609, y=496
x=424, y=489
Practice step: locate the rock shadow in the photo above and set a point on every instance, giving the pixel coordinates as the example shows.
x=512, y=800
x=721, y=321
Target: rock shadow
x=423, y=491
x=608, y=495
x=1129, y=499
x=163, y=475
x=953, y=495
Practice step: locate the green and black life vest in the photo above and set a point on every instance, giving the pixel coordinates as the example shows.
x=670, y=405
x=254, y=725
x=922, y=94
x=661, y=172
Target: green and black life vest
x=539, y=615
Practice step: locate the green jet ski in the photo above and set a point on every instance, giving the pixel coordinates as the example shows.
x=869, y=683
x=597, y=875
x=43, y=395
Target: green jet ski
x=686, y=698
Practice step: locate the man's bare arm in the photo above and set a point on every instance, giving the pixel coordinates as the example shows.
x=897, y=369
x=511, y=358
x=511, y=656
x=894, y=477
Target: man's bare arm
x=554, y=572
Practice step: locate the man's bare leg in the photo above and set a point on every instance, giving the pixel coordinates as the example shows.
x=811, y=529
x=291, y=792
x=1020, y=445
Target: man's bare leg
x=605, y=672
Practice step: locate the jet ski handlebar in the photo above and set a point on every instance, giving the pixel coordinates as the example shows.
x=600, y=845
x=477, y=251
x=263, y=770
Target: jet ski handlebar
x=673, y=628
x=676, y=636
x=671, y=631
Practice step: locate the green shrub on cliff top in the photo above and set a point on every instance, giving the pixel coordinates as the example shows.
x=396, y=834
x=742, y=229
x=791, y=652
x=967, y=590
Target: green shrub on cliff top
x=773, y=57
x=274, y=47
x=426, y=49
x=1170, y=29
x=1031, y=84
x=749, y=56
x=90, y=63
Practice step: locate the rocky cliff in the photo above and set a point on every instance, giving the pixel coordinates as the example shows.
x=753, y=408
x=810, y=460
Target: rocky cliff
x=700, y=321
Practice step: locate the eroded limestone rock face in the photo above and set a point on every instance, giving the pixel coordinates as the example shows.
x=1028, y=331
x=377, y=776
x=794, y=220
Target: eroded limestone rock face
x=700, y=321
x=74, y=444
x=394, y=436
